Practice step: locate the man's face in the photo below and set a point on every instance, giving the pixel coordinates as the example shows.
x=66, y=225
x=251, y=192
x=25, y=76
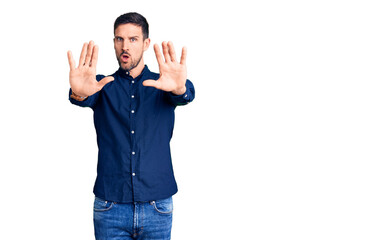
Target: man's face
x=129, y=45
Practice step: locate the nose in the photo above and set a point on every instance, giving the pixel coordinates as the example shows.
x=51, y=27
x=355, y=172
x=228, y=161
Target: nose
x=125, y=46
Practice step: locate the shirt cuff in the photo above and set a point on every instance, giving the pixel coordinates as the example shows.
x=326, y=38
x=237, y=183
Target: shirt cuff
x=185, y=98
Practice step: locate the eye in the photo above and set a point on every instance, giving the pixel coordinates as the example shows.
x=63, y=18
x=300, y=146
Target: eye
x=133, y=39
x=119, y=39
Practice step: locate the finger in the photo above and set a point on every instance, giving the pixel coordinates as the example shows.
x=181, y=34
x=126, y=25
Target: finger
x=183, y=57
x=104, y=81
x=165, y=52
x=72, y=63
x=89, y=53
x=94, y=59
x=83, y=55
x=158, y=54
x=171, y=51
x=151, y=83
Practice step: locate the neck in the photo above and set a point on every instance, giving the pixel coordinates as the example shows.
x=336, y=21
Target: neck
x=137, y=70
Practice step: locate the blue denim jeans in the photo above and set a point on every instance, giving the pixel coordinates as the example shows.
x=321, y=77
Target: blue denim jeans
x=138, y=220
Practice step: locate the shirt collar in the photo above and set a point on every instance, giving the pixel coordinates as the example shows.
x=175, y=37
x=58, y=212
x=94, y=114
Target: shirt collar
x=125, y=74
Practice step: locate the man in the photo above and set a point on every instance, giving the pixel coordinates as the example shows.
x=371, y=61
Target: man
x=134, y=120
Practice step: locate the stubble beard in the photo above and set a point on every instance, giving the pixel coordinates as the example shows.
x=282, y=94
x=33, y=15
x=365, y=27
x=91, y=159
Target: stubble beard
x=133, y=64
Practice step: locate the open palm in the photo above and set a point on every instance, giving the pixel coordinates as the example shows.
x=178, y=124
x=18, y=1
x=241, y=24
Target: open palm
x=173, y=74
x=82, y=78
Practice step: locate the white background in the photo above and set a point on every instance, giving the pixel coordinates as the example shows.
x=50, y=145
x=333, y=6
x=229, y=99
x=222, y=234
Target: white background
x=278, y=144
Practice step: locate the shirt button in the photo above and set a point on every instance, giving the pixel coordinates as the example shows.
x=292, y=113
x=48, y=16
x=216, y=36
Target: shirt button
x=133, y=153
x=132, y=96
x=132, y=111
x=132, y=132
x=132, y=81
x=133, y=174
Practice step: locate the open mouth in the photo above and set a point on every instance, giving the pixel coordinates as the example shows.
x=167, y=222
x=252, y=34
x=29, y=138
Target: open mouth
x=124, y=57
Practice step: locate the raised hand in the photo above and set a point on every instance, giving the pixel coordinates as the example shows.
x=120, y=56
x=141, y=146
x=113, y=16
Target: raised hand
x=173, y=74
x=82, y=78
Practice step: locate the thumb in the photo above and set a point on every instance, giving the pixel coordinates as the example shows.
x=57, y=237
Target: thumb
x=105, y=80
x=151, y=83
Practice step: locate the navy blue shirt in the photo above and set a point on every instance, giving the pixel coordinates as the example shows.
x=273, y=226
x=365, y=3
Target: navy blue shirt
x=134, y=126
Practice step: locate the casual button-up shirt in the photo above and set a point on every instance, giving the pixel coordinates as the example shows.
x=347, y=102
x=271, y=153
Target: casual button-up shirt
x=134, y=126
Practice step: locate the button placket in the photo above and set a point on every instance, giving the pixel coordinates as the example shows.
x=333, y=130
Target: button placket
x=132, y=104
x=132, y=124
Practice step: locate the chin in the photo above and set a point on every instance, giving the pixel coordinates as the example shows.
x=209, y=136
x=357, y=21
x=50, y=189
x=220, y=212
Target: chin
x=124, y=67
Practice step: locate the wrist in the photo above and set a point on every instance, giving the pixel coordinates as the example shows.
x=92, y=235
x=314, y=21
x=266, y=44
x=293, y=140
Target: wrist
x=180, y=91
x=77, y=97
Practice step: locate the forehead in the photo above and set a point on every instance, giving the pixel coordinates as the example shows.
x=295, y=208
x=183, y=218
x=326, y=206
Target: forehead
x=128, y=29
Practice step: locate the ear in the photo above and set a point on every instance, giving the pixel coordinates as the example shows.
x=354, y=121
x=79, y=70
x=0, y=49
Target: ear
x=146, y=44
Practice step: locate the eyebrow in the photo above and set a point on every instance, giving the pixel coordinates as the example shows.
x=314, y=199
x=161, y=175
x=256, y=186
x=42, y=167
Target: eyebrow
x=127, y=37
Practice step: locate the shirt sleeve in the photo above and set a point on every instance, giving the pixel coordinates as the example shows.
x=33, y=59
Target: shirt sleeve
x=187, y=97
x=90, y=100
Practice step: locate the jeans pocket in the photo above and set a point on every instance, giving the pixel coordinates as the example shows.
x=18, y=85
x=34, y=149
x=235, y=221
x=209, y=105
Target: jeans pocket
x=101, y=205
x=164, y=206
